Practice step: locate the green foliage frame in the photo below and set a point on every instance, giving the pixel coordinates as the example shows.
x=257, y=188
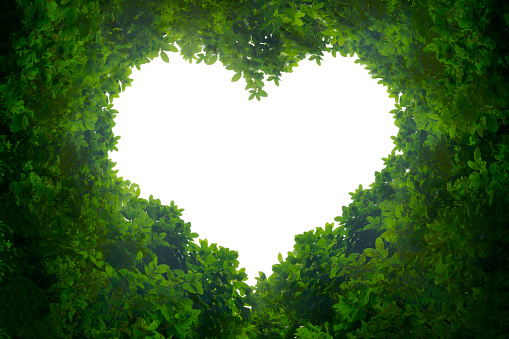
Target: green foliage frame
x=422, y=252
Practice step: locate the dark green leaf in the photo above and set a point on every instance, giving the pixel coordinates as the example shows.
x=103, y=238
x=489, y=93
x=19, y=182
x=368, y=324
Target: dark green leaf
x=491, y=123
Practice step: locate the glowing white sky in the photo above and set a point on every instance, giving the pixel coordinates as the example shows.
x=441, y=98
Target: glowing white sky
x=253, y=174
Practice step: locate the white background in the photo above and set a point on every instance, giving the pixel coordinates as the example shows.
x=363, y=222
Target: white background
x=253, y=174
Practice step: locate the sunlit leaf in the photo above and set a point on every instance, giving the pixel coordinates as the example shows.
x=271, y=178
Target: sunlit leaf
x=237, y=76
x=164, y=56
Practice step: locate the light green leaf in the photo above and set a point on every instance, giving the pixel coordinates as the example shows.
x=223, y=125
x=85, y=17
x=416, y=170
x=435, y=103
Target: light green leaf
x=164, y=56
x=198, y=286
x=163, y=268
x=473, y=165
x=330, y=31
x=139, y=256
x=280, y=257
x=188, y=287
x=168, y=47
x=371, y=220
x=153, y=326
x=236, y=77
x=477, y=155
x=333, y=271
x=211, y=60
x=341, y=40
x=110, y=271
x=370, y=252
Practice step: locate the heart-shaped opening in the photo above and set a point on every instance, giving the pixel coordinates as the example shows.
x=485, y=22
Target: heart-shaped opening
x=251, y=175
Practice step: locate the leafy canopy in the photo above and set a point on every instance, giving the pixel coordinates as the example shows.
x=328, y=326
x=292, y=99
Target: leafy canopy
x=422, y=252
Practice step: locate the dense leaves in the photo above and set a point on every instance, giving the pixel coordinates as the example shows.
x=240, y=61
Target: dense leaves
x=422, y=252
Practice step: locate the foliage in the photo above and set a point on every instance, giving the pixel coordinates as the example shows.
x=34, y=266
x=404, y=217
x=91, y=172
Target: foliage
x=422, y=252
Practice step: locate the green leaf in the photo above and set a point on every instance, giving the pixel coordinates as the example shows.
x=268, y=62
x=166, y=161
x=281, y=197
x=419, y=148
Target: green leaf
x=110, y=271
x=473, y=165
x=330, y=32
x=491, y=123
x=168, y=47
x=164, y=56
x=477, y=155
x=353, y=256
x=211, y=60
x=153, y=326
x=280, y=257
x=236, y=77
x=379, y=244
x=371, y=220
x=368, y=227
x=84, y=26
x=341, y=41
x=188, y=287
x=198, y=286
x=163, y=268
x=333, y=271
x=139, y=256
x=371, y=252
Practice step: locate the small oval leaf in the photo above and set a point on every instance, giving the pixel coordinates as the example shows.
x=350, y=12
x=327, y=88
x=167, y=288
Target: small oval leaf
x=164, y=56
x=370, y=252
x=236, y=77
x=139, y=256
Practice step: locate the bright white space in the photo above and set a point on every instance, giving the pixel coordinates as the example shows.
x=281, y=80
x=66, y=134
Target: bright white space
x=253, y=174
